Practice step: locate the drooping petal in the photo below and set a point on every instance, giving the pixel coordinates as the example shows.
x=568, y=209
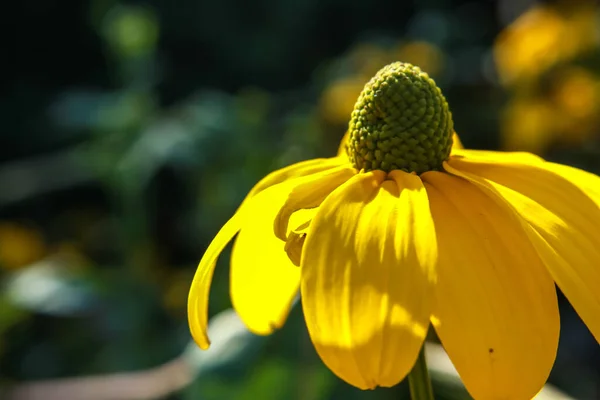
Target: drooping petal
x=496, y=310
x=264, y=282
x=261, y=205
x=200, y=289
x=367, y=274
x=309, y=194
x=561, y=205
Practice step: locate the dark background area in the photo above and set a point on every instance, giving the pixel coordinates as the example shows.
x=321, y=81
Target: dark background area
x=131, y=131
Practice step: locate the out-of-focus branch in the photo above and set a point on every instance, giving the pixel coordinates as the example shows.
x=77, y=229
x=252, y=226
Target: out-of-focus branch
x=232, y=343
x=154, y=383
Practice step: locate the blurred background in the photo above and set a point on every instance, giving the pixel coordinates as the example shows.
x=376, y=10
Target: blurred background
x=132, y=130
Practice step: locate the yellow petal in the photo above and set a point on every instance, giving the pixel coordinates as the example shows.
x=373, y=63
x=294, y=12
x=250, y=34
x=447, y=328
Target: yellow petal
x=494, y=156
x=264, y=282
x=456, y=143
x=586, y=182
x=496, y=311
x=367, y=275
x=294, y=245
x=309, y=193
x=296, y=237
x=561, y=207
x=200, y=289
x=302, y=168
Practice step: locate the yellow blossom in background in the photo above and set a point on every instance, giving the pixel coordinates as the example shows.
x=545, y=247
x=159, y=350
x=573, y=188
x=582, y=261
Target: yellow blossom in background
x=19, y=245
x=544, y=36
x=552, y=101
x=428, y=56
x=528, y=124
x=403, y=229
x=576, y=97
x=337, y=100
x=567, y=114
x=367, y=58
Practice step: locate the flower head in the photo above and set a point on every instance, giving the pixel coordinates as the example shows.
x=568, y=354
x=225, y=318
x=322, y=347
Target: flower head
x=399, y=231
x=401, y=121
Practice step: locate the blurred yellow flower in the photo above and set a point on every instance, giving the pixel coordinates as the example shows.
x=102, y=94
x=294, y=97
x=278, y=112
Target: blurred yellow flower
x=527, y=124
x=402, y=229
x=544, y=36
x=567, y=114
x=553, y=102
x=577, y=92
x=19, y=245
x=337, y=100
x=428, y=56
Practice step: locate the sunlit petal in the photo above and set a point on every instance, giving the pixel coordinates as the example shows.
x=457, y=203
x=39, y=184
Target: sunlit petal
x=496, y=310
x=367, y=274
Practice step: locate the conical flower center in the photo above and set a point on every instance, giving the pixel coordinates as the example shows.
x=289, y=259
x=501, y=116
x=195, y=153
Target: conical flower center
x=400, y=121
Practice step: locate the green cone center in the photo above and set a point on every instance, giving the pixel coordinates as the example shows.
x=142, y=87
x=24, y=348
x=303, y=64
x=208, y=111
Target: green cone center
x=400, y=121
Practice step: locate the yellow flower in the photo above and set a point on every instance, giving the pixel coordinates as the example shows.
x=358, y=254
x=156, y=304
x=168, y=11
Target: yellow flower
x=545, y=36
x=529, y=124
x=567, y=113
x=402, y=229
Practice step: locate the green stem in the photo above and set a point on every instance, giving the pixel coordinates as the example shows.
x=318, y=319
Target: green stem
x=418, y=379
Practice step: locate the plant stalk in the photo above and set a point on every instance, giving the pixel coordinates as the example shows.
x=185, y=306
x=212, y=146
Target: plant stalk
x=419, y=381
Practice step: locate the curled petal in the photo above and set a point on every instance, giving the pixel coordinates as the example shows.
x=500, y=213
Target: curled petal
x=309, y=193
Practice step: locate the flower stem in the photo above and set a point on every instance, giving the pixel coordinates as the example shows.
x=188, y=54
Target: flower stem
x=418, y=379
